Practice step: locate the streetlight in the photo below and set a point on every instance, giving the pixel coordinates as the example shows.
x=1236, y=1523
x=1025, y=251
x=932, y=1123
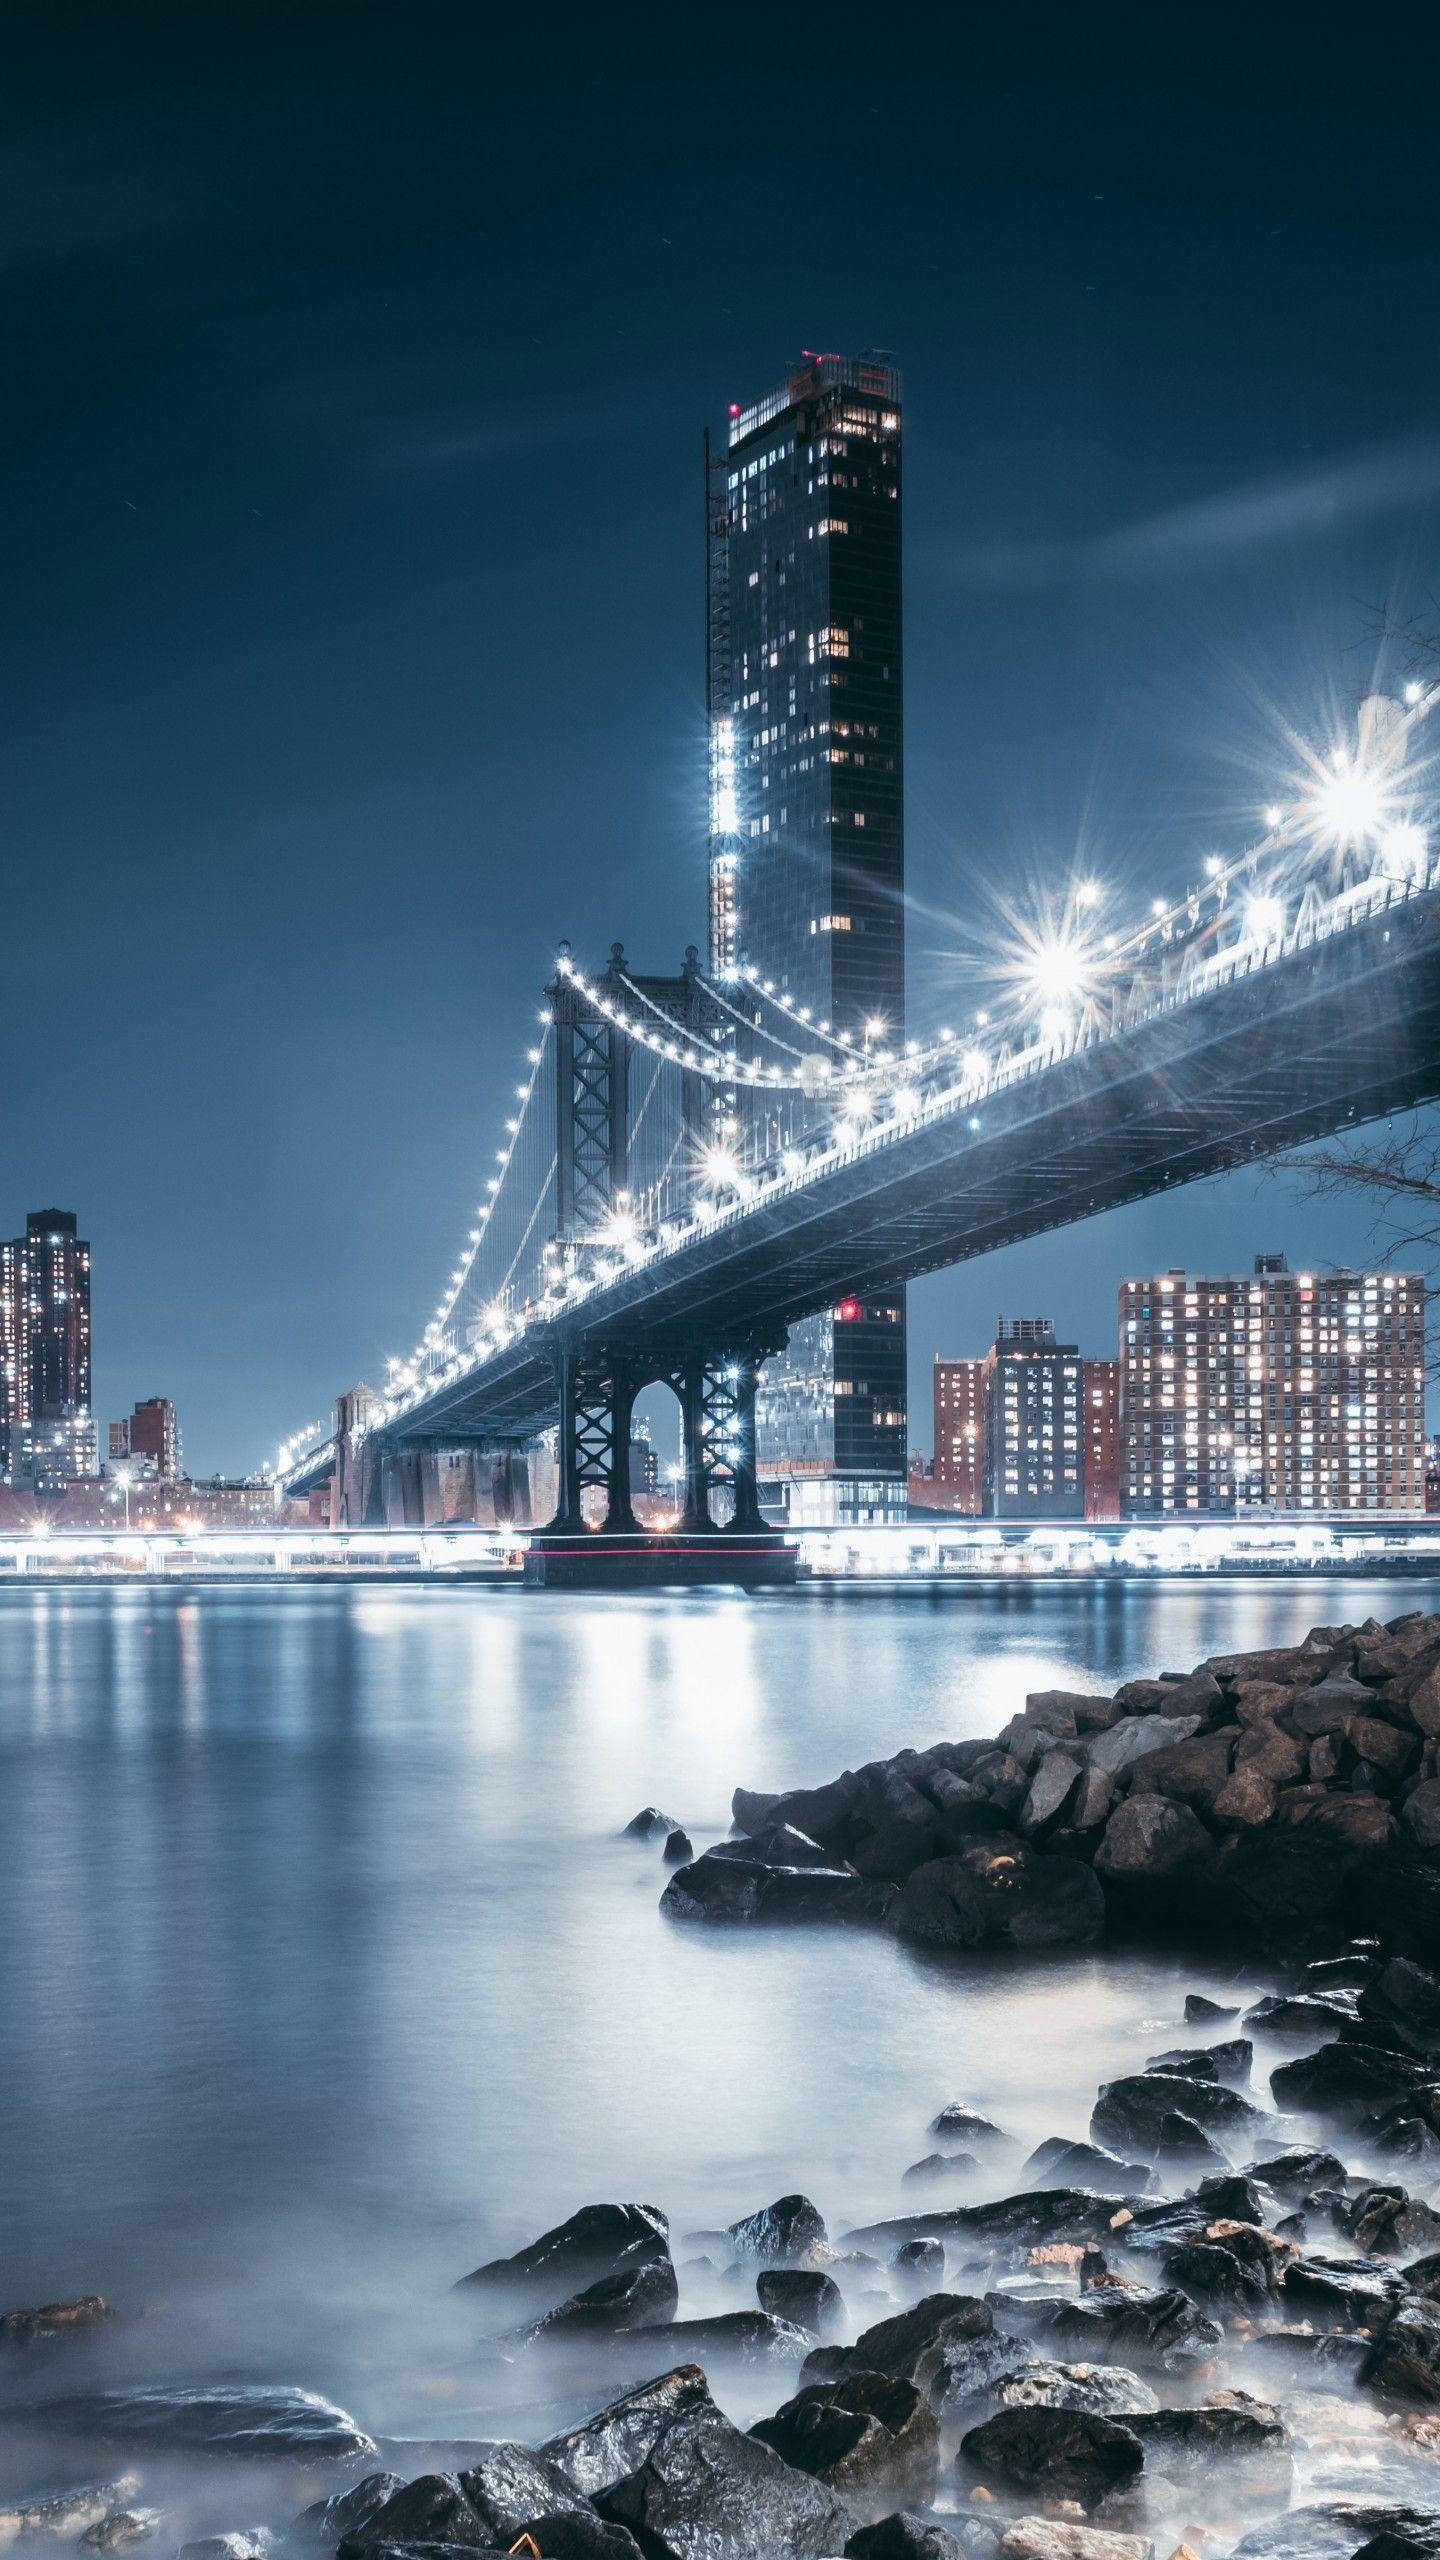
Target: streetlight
x=124, y=1477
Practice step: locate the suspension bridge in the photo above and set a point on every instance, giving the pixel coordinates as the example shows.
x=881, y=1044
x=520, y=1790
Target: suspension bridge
x=693, y=1164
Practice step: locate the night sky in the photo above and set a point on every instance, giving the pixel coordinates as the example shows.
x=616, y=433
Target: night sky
x=357, y=363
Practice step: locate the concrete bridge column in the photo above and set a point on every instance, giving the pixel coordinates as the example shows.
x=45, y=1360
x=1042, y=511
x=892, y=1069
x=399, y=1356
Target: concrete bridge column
x=402, y=1497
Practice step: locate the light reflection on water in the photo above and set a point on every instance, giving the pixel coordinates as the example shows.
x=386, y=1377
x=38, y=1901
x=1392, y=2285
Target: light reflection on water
x=323, y=1973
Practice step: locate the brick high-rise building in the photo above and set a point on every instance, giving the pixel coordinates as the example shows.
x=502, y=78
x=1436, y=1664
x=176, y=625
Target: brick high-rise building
x=1295, y=1391
x=47, y=1437
x=807, y=868
x=959, y=1476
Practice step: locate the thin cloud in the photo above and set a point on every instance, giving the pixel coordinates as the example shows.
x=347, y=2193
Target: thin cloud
x=1207, y=532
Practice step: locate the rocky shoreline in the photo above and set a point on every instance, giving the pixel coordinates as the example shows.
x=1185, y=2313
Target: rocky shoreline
x=1205, y=2328
x=1284, y=1790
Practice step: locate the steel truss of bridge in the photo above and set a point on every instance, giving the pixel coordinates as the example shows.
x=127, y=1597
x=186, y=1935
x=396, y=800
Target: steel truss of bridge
x=1266, y=1047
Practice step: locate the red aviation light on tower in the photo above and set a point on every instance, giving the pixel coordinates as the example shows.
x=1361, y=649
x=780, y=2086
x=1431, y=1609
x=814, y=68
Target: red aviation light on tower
x=848, y=1311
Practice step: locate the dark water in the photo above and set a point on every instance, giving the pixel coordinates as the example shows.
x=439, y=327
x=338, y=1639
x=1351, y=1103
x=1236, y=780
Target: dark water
x=323, y=1973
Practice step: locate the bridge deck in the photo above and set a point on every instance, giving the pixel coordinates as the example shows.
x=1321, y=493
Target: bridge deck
x=1327, y=1036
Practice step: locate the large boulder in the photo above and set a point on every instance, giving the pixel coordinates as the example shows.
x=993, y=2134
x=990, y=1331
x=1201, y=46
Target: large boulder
x=870, y=2435
x=787, y=2233
x=707, y=2492
x=591, y=2244
x=1149, y=1840
x=432, y=2509
x=1348, y=2078
x=1061, y=2451
x=1405, y=2364
x=722, y=1887
x=1047, y=2538
x=1157, y=2327
x=806, y=2297
x=1102, y=2391
x=911, y=2344
x=615, y=2441
x=1000, y=1893
x=1129, y=2114
x=640, y=2295
x=1084, y=2164
x=906, y=2537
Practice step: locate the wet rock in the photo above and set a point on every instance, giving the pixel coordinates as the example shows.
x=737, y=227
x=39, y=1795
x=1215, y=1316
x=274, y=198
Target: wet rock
x=1084, y=2164
x=1217, y=2276
x=870, y=2435
x=1299, y=2172
x=719, y=1887
x=1128, y=2114
x=433, y=2509
x=1385, y=2221
x=974, y=2374
x=1422, y=1813
x=1348, y=2292
x=68, y=2515
x=1405, y=2364
x=679, y=1849
x=1346, y=2077
x=806, y=2298
x=1134, y=1740
x=912, y=2343
x=750, y=1808
x=615, y=2441
x=1159, y=2326
x=1042, y=2538
x=1301, y=2013
x=783, y=2234
x=53, y=2320
x=1149, y=1840
x=650, y=1824
x=1040, y=2214
x=1246, y=2433
x=919, y=2262
x=940, y=2167
x=742, y=2337
x=1200, y=2009
x=270, y=2421
x=330, y=2519
x=591, y=2244
x=910, y=2537
x=961, y=2123
x=1229, y=2062
x=1181, y=2140
x=707, y=2492
x=1102, y=2391
x=1402, y=1996
x=1061, y=2451
x=510, y=2485
x=998, y=1892
x=640, y=2295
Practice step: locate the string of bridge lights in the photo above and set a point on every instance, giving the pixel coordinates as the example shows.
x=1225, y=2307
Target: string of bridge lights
x=1354, y=806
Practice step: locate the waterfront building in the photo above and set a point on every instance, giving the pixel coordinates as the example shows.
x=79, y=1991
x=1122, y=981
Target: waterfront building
x=149, y=1439
x=47, y=1437
x=1283, y=1391
x=807, y=834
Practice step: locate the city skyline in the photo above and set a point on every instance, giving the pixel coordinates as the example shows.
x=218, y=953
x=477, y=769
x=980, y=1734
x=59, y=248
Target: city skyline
x=346, y=513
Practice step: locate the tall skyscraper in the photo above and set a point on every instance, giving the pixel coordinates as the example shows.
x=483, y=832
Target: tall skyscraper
x=807, y=864
x=47, y=1436
x=1295, y=1391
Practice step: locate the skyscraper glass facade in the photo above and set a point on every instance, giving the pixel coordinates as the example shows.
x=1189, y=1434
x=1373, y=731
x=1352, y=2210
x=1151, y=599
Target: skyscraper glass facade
x=807, y=831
